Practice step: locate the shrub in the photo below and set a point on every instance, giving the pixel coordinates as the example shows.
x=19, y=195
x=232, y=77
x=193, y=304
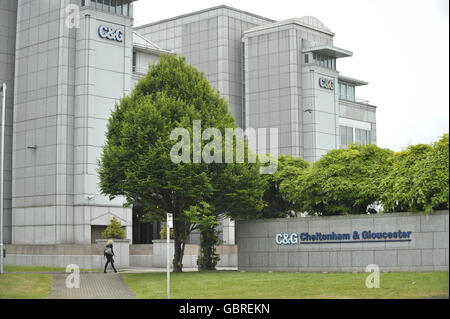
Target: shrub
x=114, y=230
x=163, y=233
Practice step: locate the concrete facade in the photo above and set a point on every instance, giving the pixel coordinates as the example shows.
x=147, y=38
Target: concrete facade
x=63, y=81
x=269, y=71
x=8, y=25
x=427, y=249
x=285, y=63
x=211, y=40
x=67, y=81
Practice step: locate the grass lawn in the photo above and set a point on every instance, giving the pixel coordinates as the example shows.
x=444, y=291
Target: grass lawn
x=25, y=286
x=280, y=285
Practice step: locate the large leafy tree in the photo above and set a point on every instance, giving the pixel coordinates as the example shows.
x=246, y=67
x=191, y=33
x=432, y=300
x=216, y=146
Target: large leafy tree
x=419, y=178
x=343, y=181
x=276, y=202
x=136, y=161
x=432, y=177
x=398, y=194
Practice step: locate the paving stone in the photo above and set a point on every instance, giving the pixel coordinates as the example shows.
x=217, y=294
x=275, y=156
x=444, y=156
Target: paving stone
x=92, y=286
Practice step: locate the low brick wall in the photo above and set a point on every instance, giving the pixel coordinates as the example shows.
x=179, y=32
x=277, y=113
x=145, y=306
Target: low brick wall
x=289, y=245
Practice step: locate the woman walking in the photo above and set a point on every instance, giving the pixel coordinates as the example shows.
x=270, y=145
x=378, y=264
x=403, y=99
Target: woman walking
x=109, y=253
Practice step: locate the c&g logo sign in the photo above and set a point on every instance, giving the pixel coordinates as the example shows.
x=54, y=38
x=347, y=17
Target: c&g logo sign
x=325, y=83
x=110, y=33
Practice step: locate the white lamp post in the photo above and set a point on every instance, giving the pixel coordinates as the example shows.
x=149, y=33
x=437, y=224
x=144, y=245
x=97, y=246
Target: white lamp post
x=2, y=152
x=169, y=225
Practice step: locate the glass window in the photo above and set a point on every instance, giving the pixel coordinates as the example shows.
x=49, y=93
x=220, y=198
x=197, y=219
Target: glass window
x=350, y=138
x=346, y=137
x=343, y=91
x=119, y=7
x=306, y=58
x=93, y=3
x=351, y=92
x=362, y=137
x=106, y=5
x=113, y=6
x=125, y=7
x=343, y=133
x=100, y=4
x=358, y=136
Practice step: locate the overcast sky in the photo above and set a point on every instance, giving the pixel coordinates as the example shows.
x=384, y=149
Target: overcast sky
x=400, y=47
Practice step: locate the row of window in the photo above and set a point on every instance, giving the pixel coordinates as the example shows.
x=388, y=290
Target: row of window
x=121, y=7
x=351, y=135
x=322, y=60
x=346, y=91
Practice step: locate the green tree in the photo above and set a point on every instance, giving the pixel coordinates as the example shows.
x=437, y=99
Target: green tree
x=114, y=230
x=276, y=203
x=209, y=235
x=343, y=181
x=136, y=161
x=432, y=177
x=419, y=179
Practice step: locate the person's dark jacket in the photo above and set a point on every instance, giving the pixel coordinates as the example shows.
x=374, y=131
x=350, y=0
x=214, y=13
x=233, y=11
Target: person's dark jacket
x=107, y=255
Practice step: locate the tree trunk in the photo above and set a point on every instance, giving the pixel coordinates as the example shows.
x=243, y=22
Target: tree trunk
x=180, y=241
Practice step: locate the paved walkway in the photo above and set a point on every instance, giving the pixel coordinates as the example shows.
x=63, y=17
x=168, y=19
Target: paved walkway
x=92, y=286
x=98, y=285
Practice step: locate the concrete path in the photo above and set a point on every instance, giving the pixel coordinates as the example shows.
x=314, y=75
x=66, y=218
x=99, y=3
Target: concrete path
x=92, y=286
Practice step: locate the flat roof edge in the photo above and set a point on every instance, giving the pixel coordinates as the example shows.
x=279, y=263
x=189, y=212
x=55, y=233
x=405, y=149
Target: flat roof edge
x=351, y=80
x=338, y=52
x=202, y=11
x=286, y=22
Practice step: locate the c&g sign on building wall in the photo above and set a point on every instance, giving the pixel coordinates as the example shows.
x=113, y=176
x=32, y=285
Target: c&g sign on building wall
x=110, y=33
x=326, y=83
x=336, y=238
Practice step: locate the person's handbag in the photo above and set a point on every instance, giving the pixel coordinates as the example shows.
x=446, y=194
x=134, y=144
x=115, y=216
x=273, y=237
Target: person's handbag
x=108, y=251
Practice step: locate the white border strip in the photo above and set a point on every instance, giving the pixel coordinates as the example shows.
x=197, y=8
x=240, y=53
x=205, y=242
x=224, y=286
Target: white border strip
x=355, y=123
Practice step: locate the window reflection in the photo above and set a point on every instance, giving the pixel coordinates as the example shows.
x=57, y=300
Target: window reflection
x=347, y=92
x=121, y=7
x=349, y=135
x=351, y=93
x=324, y=61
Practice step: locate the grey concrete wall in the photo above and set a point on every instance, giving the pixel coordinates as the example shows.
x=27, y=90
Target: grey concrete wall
x=8, y=21
x=210, y=40
x=427, y=249
x=85, y=256
x=91, y=256
x=67, y=80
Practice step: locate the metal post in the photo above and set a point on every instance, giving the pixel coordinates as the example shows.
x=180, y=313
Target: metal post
x=2, y=153
x=168, y=256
